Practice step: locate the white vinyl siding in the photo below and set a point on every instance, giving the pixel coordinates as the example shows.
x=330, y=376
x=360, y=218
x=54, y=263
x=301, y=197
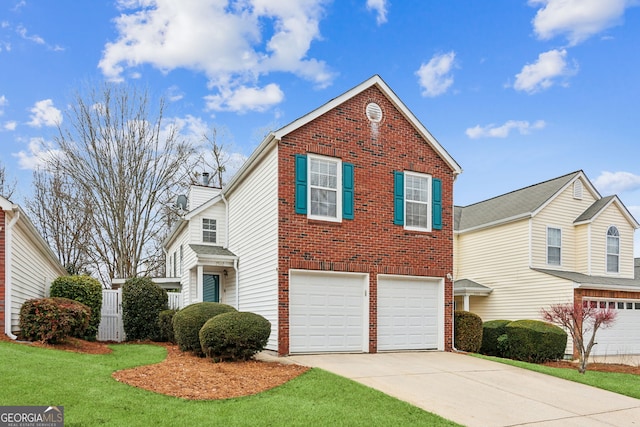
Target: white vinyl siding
x=254, y=239
x=216, y=212
x=31, y=270
x=186, y=261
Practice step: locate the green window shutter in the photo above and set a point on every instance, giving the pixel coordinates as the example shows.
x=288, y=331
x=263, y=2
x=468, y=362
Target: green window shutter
x=398, y=198
x=347, y=191
x=301, y=184
x=436, y=196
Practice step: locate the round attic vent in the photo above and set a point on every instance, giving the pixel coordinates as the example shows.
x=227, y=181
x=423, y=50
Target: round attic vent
x=374, y=112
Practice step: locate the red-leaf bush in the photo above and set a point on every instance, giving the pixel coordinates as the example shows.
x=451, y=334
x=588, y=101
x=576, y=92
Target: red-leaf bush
x=51, y=320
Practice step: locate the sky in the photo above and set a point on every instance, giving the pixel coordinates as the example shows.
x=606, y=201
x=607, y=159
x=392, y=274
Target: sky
x=517, y=91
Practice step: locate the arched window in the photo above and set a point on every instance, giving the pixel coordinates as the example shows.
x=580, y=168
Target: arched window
x=613, y=250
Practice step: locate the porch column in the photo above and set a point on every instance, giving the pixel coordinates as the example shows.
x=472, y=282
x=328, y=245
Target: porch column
x=466, y=303
x=199, y=283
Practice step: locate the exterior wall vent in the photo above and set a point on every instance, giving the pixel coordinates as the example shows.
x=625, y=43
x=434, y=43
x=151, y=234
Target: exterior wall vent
x=577, y=190
x=374, y=112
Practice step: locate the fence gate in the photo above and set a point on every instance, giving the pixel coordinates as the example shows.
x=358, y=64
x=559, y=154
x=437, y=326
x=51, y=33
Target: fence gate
x=111, y=327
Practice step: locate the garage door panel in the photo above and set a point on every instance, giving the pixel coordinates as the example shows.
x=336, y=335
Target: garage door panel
x=326, y=312
x=408, y=315
x=623, y=337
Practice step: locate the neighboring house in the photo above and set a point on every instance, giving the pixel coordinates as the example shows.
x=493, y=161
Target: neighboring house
x=27, y=265
x=338, y=229
x=558, y=241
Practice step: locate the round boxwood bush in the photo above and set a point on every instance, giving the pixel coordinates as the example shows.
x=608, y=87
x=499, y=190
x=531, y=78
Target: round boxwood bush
x=188, y=322
x=491, y=331
x=53, y=319
x=534, y=341
x=84, y=289
x=467, y=331
x=234, y=336
x=165, y=324
x=142, y=302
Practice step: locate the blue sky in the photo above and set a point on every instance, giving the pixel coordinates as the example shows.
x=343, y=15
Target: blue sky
x=517, y=91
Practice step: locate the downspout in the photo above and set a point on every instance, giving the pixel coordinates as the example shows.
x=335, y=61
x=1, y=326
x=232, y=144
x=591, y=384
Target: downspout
x=7, y=276
x=235, y=266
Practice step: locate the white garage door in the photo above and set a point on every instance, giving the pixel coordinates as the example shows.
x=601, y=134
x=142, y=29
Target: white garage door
x=409, y=313
x=623, y=337
x=328, y=312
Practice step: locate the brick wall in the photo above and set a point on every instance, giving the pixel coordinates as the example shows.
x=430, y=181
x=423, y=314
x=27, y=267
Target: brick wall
x=598, y=293
x=369, y=243
x=2, y=268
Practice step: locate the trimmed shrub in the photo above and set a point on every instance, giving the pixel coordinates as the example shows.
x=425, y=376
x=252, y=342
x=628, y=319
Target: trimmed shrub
x=84, y=289
x=188, y=322
x=491, y=330
x=142, y=302
x=165, y=324
x=52, y=320
x=534, y=341
x=234, y=336
x=468, y=331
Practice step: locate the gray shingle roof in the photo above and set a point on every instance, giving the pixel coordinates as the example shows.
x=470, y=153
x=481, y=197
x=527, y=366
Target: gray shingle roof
x=462, y=286
x=516, y=204
x=211, y=250
x=585, y=279
x=592, y=210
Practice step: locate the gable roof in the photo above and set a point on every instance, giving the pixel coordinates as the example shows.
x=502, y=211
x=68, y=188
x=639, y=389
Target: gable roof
x=375, y=80
x=518, y=204
x=594, y=282
x=600, y=206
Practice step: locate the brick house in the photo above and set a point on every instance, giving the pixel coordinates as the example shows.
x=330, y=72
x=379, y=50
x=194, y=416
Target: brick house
x=338, y=229
x=27, y=265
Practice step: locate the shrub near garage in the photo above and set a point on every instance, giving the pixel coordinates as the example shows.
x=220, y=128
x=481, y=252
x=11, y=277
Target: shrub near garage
x=51, y=320
x=491, y=331
x=84, y=289
x=534, y=341
x=467, y=331
x=142, y=302
x=188, y=322
x=234, y=336
x=165, y=324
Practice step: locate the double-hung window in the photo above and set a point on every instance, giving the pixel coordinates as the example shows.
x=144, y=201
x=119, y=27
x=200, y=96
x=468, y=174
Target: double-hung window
x=324, y=187
x=554, y=246
x=325, y=195
x=417, y=201
x=208, y=230
x=613, y=250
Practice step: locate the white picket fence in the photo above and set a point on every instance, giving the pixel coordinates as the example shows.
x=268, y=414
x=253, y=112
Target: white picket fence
x=111, y=327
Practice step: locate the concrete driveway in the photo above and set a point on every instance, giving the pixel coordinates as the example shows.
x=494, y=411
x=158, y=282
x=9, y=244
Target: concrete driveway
x=477, y=392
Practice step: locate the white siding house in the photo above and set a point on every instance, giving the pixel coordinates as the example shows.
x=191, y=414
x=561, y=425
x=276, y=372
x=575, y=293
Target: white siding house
x=27, y=265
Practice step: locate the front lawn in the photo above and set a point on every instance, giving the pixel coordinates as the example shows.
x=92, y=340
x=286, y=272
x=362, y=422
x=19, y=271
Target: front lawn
x=82, y=383
x=626, y=384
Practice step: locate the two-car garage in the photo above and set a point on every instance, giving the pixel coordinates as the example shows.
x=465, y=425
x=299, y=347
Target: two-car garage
x=330, y=312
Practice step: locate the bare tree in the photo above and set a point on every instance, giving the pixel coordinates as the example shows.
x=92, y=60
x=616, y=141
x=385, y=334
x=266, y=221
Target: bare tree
x=64, y=216
x=579, y=320
x=218, y=156
x=7, y=187
x=125, y=165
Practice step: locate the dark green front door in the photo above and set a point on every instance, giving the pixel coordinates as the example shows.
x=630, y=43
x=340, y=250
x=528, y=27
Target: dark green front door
x=211, y=285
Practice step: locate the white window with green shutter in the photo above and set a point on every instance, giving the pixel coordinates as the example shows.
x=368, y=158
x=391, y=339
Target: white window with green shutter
x=417, y=201
x=324, y=188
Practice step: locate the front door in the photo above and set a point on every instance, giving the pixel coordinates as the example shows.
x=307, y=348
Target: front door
x=211, y=285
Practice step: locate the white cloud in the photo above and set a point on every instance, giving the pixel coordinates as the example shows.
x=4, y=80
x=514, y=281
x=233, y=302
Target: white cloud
x=543, y=73
x=11, y=125
x=244, y=99
x=492, y=131
x=434, y=77
x=38, y=153
x=233, y=44
x=44, y=113
x=380, y=7
x=22, y=31
x=577, y=19
x=617, y=182
x=3, y=103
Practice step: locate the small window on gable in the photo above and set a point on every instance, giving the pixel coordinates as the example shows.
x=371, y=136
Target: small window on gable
x=208, y=230
x=554, y=246
x=613, y=250
x=577, y=190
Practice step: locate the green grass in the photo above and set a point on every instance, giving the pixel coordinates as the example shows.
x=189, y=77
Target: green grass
x=82, y=383
x=626, y=384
